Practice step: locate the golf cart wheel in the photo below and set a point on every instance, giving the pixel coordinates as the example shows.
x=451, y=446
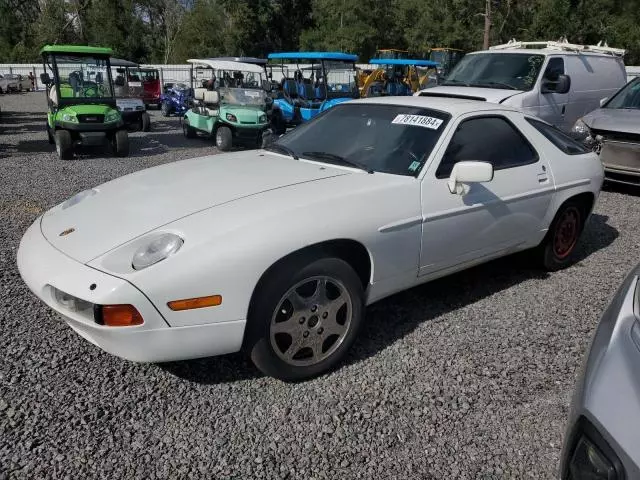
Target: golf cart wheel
x=188, y=130
x=50, y=136
x=145, y=122
x=120, y=143
x=64, y=144
x=224, y=138
x=304, y=317
x=165, y=109
x=555, y=251
x=278, y=124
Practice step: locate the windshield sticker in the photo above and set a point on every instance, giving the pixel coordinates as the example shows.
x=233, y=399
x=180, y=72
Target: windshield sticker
x=414, y=166
x=418, y=121
x=251, y=93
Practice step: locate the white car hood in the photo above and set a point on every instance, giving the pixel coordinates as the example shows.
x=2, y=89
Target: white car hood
x=495, y=95
x=130, y=206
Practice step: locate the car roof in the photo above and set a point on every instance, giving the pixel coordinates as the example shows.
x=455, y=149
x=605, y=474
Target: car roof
x=542, y=51
x=403, y=61
x=345, y=57
x=76, y=49
x=226, y=65
x=451, y=104
x=120, y=62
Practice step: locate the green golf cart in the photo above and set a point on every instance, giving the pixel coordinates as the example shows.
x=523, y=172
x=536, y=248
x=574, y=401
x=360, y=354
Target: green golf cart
x=229, y=104
x=82, y=105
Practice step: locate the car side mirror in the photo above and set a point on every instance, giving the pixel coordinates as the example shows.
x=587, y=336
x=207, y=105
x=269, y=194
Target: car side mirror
x=561, y=85
x=468, y=172
x=45, y=78
x=603, y=101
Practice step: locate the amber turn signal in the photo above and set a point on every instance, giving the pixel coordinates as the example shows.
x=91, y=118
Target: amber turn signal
x=191, y=303
x=120, y=316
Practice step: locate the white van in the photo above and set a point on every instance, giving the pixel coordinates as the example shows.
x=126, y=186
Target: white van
x=557, y=81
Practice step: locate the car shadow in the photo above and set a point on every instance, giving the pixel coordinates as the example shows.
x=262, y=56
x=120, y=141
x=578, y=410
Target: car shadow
x=397, y=316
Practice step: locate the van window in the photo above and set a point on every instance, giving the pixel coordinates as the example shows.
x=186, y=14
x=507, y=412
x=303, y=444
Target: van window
x=487, y=139
x=513, y=71
x=565, y=143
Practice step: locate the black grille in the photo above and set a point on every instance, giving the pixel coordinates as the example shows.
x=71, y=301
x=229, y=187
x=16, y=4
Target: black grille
x=86, y=118
x=617, y=136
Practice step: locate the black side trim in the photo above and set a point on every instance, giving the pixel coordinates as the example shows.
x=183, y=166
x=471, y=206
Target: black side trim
x=452, y=95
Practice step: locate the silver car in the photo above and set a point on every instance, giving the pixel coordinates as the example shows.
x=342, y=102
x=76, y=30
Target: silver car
x=603, y=438
x=614, y=131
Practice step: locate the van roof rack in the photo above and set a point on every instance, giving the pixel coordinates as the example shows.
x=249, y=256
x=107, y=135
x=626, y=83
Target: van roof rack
x=562, y=44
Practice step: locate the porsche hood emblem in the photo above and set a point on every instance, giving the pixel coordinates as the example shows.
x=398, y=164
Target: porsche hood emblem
x=67, y=231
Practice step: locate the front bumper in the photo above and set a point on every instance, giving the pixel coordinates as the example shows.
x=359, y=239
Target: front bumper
x=605, y=407
x=44, y=268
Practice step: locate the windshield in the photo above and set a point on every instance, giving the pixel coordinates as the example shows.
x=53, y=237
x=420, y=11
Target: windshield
x=515, y=71
x=628, y=97
x=150, y=75
x=242, y=96
x=381, y=138
x=83, y=77
x=341, y=79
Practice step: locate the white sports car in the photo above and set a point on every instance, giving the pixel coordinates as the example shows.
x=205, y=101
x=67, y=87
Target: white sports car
x=278, y=251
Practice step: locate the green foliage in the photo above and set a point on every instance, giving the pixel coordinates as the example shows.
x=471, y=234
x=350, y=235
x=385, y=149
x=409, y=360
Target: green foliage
x=171, y=31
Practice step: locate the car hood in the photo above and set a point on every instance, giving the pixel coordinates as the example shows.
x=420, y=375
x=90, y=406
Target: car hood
x=130, y=206
x=495, y=95
x=614, y=119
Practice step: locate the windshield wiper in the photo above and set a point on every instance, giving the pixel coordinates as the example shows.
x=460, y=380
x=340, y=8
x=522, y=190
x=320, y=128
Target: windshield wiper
x=276, y=147
x=493, y=85
x=337, y=159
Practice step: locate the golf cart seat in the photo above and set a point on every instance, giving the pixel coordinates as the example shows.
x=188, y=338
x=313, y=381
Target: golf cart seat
x=211, y=100
x=290, y=88
x=305, y=90
x=198, y=94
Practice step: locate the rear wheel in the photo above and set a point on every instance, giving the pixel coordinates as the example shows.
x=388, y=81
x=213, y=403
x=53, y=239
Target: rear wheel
x=555, y=251
x=224, y=138
x=120, y=143
x=145, y=122
x=64, y=144
x=188, y=130
x=165, y=109
x=304, y=318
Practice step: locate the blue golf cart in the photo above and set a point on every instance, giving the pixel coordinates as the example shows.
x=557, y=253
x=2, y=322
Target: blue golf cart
x=320, y=80
x=399, y=76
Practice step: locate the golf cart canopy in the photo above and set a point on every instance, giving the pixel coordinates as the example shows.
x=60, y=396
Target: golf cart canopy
x=226, y=65
x=119, y=62
x=76, y=49
x=253, y=60
x=402, y=61
x=339, y=56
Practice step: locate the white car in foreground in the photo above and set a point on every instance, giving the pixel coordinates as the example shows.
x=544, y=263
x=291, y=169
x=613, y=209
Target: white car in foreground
x=278, y=251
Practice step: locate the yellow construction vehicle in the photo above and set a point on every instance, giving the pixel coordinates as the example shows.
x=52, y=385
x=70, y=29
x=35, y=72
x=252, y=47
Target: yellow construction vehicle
x=398, y=76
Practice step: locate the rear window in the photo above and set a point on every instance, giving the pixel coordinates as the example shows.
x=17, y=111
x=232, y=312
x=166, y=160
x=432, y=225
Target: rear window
x=561, y=140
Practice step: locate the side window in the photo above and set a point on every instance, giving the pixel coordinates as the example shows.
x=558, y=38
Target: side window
x=487, y=139
x=565, y=143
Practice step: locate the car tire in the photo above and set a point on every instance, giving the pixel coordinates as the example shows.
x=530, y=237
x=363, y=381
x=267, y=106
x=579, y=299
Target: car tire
x=281, y=334
x=50, y=136
x=165, y=109
x=120, y=143
x=555, y=251
x=64, y=144
x=224, y=138
x=278, y=125
x=188, y=130
x=145, y=122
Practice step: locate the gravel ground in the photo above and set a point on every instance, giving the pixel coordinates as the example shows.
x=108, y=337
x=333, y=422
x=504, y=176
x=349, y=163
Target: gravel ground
x=466, y=377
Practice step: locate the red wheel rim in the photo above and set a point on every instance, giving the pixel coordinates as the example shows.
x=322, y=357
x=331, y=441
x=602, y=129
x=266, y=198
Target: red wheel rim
x=566, y=234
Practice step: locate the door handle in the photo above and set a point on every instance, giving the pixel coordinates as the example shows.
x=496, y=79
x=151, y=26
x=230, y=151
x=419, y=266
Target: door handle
x=542, y=178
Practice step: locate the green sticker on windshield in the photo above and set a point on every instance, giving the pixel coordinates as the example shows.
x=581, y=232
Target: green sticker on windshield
x=414, y=166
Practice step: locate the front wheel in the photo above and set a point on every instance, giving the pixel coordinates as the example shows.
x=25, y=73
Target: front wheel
x=120, y=143
x=165, y=109
x=555, y=251
x=224, y=138
x=304, y=318
x=64, y=144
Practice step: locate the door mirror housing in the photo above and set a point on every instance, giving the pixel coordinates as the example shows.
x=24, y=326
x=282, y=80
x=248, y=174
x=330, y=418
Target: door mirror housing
x=468, y=172
x=561, y=85
x=45, y=78
x=603, y=101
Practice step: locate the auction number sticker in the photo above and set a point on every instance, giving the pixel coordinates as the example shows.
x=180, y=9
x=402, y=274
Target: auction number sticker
x=418, y=121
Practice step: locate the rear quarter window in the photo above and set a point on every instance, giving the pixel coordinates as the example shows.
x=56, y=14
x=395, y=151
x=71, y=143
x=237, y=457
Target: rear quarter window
x=561, y=140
